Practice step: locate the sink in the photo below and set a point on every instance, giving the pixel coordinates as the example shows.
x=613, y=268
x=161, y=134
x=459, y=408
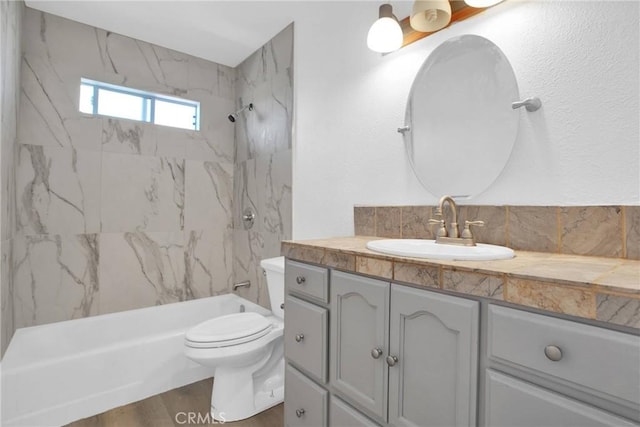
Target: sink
x=419, y=248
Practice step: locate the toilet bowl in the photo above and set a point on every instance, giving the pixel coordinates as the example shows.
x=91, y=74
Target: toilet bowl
x=246, y=353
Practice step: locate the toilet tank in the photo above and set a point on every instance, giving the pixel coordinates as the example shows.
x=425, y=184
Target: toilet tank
x=274, y=269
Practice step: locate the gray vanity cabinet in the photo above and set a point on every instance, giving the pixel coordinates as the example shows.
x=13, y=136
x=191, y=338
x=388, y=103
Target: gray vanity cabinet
x=359, y=339
x=406, y=356
x=514, y=403
x=435, y=339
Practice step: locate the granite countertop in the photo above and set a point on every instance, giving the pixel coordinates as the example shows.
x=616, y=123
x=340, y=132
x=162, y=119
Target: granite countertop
x=605, y=289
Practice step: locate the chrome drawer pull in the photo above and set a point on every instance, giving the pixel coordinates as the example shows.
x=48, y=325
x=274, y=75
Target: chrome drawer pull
x=376, y=353
x=299, y=337
x=300, y=280
x=392, y=360
x=553, y=353
x=299, y=412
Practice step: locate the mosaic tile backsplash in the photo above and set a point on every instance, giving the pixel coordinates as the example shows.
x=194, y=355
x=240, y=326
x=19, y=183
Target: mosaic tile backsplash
x=607, y=231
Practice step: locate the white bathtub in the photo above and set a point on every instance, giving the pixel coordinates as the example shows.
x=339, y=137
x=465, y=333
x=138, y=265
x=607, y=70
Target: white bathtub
x=58, y=373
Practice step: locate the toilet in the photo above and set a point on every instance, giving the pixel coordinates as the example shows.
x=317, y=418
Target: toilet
x=246, y=350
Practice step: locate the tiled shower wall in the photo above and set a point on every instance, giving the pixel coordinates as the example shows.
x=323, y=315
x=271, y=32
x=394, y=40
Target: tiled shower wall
x=263, y=160
x=10, y=31
x=607, y=231
x=115, y=214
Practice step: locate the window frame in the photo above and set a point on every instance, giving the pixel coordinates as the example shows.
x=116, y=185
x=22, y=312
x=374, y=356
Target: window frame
x=148, y=102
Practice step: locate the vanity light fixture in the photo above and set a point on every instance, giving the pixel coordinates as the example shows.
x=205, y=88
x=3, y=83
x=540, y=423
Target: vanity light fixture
x=482, y=3
x=430, y=15
x=385, y=35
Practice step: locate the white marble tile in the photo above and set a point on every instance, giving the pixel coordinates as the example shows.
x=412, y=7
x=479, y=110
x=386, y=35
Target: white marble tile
x=172, y=142
x=209, y=263
x=141, y=270
x=247, y=253
x=58, y=190
x=141, y=193
x=129, y=136
x=55, y=278
x=245, y=193
x=6, y=294
x=49, y=113
x=49, y=36
x=208, y=195
x=273, y=177
x=215, y=140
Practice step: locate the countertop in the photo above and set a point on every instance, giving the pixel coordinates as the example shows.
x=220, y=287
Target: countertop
x=605, y=289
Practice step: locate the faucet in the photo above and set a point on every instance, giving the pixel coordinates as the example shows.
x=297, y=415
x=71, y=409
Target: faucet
x=453, y=231
x=452, y=236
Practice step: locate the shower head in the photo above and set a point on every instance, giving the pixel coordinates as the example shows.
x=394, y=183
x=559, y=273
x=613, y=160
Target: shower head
x=233, y=116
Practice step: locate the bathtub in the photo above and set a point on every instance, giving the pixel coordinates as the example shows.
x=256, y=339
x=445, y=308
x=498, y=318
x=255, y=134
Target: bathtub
x=61, y=372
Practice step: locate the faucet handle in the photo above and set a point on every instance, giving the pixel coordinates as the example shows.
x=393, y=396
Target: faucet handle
x=466, y=233
x=442, y=230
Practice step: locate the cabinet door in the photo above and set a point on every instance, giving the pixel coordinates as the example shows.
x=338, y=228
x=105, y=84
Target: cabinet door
x=514, y=403
x=435, y=339
x=359, y=326
x=343, y=415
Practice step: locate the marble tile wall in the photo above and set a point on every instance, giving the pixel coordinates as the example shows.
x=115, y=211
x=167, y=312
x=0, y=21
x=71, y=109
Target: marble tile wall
x=115, y=214
x=10, y=48
x=263, y=160
x=607, y=231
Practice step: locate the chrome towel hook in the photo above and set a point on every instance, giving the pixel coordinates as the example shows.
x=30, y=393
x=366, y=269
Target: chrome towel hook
x=531, y=104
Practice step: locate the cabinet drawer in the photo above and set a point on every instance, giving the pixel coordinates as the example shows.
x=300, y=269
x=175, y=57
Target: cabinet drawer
x=305, y=401
x=515, y=403
x=305, y=336
x=597, y=360
x=307, y=280
x=343, y=415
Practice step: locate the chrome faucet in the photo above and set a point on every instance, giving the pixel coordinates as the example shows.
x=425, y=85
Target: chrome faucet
x=452, y=235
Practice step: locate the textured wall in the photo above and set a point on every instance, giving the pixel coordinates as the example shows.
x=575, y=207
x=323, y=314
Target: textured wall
x=263, y=160
x=115, y=214
x=581, y=148
x=10, y=30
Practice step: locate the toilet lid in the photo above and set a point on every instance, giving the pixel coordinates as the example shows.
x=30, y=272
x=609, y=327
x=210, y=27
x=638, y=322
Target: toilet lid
x=230, y=329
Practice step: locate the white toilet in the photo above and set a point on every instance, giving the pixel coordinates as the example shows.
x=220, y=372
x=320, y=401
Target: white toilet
x=247, y=352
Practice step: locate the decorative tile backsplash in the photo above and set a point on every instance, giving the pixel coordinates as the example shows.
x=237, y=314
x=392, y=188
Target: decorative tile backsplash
x=607, y=231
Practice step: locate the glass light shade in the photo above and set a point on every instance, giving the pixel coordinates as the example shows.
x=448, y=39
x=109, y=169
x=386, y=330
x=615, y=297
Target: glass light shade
x=482, y=3
x=430, y=15
x=385, y=35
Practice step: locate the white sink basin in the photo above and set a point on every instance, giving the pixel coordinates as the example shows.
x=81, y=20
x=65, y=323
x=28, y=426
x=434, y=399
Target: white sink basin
x=420, y=248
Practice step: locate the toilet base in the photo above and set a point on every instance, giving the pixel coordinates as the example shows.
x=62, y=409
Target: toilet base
x=238, y=395
x=263, y=401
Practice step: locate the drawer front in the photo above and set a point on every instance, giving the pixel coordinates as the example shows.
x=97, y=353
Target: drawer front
x=598, y=360
x=307, y=280
x=305, y=336
x=305, y=402
x=515, y=403
x=343, y=415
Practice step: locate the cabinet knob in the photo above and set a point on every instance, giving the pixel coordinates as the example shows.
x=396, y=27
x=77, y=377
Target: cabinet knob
x=299, y=412
x=376, y=353
x=553, y=353
x=282, y=306
x=300, y=280
x=392, y=360
x=299, y=337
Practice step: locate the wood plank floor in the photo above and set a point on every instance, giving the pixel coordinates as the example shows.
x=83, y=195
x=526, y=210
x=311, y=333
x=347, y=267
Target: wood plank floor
x=161, y=411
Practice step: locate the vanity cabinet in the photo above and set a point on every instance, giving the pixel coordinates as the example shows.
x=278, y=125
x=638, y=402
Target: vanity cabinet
x=405, y=356
x=364, y=352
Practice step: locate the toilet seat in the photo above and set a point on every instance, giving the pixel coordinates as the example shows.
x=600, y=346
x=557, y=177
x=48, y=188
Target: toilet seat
x=229, y=330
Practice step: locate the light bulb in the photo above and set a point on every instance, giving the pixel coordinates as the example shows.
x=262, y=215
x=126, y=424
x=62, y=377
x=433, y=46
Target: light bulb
x=385, y=35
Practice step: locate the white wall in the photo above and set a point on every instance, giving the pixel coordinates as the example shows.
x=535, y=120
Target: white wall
x=581, y=148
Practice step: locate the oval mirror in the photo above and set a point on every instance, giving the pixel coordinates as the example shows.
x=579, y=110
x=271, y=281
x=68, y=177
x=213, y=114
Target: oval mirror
x=462, y=127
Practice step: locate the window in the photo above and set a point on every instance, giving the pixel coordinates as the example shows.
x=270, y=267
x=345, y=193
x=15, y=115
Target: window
x=118, y=101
